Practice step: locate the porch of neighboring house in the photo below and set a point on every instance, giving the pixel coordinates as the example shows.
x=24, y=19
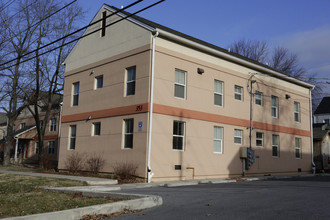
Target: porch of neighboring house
x=24, y=145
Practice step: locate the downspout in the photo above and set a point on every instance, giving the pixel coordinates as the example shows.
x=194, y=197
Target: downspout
x=149, y=173
x=311, y=127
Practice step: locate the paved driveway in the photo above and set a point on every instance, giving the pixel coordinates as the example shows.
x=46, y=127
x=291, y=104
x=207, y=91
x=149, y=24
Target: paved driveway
x=295, y=198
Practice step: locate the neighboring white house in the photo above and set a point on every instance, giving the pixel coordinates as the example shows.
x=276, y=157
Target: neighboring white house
x=322, y=112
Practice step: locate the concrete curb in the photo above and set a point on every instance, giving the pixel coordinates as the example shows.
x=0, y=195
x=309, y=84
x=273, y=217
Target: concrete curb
x=138, y=202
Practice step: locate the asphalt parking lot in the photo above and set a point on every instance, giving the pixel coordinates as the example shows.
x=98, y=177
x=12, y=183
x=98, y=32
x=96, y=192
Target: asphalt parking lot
x=292, y=198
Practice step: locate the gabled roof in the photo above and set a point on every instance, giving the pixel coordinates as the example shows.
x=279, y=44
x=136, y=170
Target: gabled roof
x=227, y=55
x=324, y=106
x=24, y=130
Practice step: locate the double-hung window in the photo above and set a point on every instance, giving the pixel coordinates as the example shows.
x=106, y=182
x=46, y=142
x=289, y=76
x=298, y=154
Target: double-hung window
x=218, y=93
x=73, y=133
x=52, y=124
x=128, y=133
x=296, y=106
x=274, y=106
x=258, y=98
x=217, y=140
x=130, y=80
x=275, y=145
x=238, y=134
x=98, y=82
x=178, y=135
x=75, y=93
x=259, y=139
x=51, y=147
x=238, y=93
x=180, y=84
x=298, y=148
x=97, y=129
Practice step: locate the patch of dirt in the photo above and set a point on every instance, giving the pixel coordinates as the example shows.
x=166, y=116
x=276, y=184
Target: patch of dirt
x=105, y=216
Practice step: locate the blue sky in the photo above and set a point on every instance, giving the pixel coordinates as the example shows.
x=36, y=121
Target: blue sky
x=302, y=26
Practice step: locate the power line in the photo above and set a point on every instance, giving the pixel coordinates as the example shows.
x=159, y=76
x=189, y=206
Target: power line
x=7, y=5
x=130, y=15
x=39, y=22
x=62, y=38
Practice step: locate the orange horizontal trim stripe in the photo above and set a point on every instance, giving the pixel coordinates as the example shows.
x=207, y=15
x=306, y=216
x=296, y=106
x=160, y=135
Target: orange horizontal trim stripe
x=185, y=113
x=125, y=110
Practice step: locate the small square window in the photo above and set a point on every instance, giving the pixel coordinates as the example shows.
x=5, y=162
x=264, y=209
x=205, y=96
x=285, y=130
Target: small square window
x=238, y=93
x=99, y=82
x=97, y=129
x=238, y=136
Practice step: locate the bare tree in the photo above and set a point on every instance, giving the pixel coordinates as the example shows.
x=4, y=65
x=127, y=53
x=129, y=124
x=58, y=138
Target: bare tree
x=280, y=59
x=25, y=28
x=48, y=75
x=256, y=50
x=18, y=33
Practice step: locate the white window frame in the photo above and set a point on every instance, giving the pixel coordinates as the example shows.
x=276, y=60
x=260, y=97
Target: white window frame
x=298, y=148
x=51, y=147
x=258, y=99
x=94, y=128
x=52, y=126
x=180, y=84
x=296, y=112
x=22, y=125
x=129, y=82
x=179, y=136
x=72, y=137
x=240, y=137
x=131, y=133
x=75, y=86
x=217, y=140
x=277, y=146
x=96, y=82
x=260, y=139
x=238, y=93
x=218, y=93
x=275, y=107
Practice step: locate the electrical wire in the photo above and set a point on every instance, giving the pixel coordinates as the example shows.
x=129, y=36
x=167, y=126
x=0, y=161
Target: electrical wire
x=6, y=5
x=68, y=35
x=39, y=22
x=130, y=15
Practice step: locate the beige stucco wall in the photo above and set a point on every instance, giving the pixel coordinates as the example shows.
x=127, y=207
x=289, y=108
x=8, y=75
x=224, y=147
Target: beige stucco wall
x=120, y=37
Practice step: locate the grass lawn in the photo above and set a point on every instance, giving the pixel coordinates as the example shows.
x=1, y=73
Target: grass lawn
x=24, y=195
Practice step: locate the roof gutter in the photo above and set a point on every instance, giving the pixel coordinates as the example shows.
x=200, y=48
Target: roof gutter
x=231, y=58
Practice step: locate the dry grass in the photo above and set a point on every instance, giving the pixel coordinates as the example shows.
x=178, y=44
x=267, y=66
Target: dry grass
x=24, y=195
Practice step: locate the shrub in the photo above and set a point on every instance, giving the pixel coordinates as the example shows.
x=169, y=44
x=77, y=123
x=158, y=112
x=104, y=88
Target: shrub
x=48, y=162
x=125, y=170
x=95, y=163
x=74, y=162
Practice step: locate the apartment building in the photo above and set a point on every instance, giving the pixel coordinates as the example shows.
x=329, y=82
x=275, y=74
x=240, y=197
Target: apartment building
x=26, y=145
x=178, y=107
